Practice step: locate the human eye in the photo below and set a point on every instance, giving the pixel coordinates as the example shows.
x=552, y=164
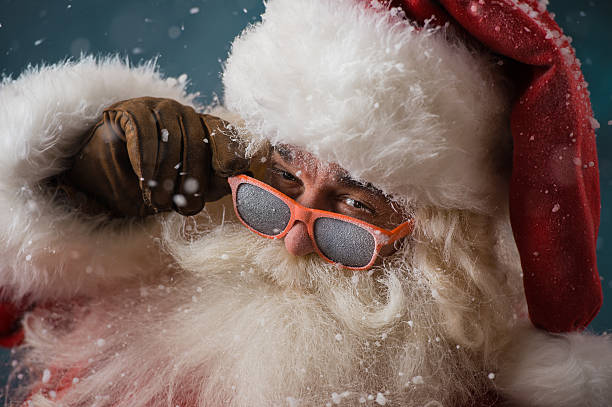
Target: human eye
x=278, y=174
x=357, y=206
x=285, y=175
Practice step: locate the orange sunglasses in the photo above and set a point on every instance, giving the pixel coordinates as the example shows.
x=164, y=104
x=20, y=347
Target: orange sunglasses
x=340, y=239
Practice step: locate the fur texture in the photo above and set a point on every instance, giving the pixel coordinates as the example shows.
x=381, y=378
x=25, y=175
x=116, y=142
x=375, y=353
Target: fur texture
x=568, y=370
x=413, y=111
x=244, y=323
x=148, y=336
x=49, y=251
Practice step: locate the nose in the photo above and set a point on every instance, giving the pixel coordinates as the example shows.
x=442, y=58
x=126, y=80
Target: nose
x=297, y=241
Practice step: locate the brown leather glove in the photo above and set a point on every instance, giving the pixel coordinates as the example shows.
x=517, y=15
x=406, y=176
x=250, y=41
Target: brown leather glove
x=150, y=155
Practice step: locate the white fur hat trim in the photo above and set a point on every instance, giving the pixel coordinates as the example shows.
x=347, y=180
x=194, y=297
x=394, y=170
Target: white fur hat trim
x=407, y=109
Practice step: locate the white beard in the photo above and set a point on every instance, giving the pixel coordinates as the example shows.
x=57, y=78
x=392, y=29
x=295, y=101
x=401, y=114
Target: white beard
x=242, y=322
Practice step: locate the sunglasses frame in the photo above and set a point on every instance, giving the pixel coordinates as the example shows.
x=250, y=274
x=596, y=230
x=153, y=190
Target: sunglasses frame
x=308, y=216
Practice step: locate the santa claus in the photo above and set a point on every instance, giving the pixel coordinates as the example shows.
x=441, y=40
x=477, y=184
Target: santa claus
x=401, y=209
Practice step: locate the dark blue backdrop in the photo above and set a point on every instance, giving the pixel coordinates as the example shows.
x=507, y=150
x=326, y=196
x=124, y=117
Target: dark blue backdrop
x=193, y=37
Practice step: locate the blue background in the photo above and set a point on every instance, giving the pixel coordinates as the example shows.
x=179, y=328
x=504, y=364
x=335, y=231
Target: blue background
x=193, y=37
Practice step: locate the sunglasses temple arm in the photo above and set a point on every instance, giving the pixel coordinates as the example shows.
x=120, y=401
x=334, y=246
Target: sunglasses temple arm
x=402, y=230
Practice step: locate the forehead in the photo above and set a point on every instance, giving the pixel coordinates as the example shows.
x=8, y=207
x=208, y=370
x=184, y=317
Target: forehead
x=311, y=165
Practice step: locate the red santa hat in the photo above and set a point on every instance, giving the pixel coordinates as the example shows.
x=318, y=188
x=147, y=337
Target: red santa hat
x=409, y=96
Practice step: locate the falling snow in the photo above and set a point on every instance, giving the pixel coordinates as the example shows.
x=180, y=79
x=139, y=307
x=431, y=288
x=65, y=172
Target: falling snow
x=179, y=200
x=380, y=399
x=556, y=207
x=100, y=342
x=191, y=185
x=164, y=135
x=39, y=41
x=418, y=380
x=46, y=376
x=338, y=337
x=491, y=376
x=194, y=10
x=174, y=32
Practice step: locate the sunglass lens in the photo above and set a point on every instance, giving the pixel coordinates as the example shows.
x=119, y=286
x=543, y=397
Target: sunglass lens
x=344, y=242
x=261, y=210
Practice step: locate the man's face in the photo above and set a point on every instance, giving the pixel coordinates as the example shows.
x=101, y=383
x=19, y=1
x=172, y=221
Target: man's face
x=302, y=177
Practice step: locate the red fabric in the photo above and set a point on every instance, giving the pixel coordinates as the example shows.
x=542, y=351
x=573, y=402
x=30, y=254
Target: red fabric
x=554, y=189
x=11, y=333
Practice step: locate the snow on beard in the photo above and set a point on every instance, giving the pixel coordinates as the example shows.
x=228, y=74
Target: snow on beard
x=241, y=322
